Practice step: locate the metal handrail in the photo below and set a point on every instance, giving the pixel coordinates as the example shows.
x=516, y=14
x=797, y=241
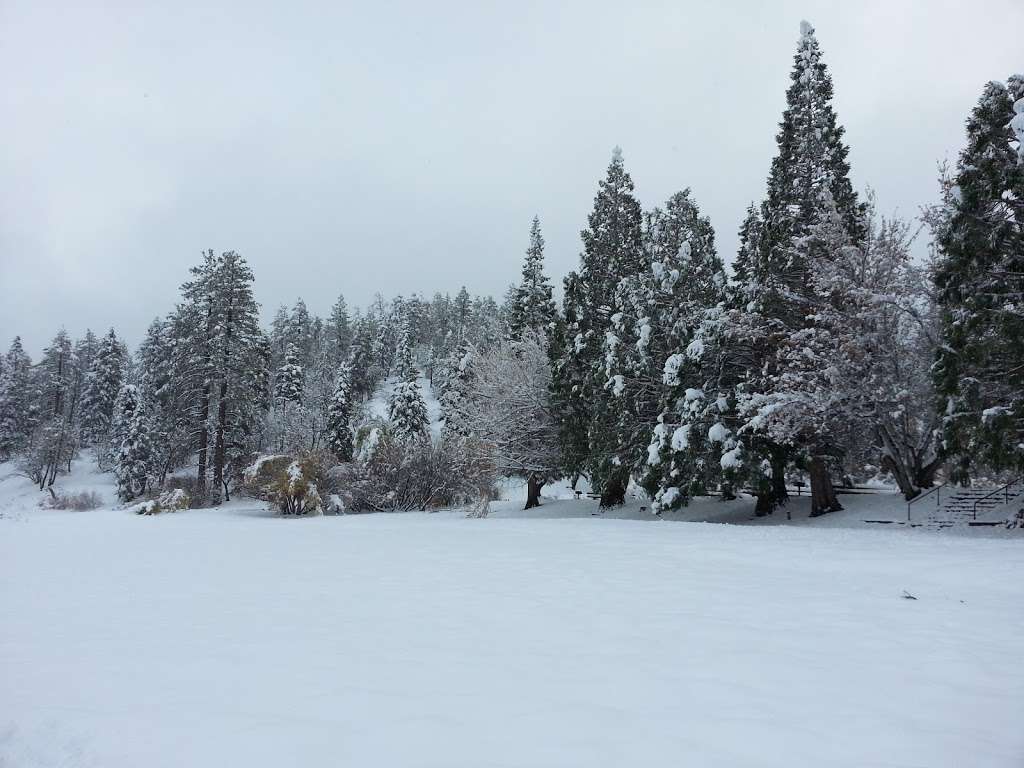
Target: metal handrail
x=1005, y=490
x=938, y=498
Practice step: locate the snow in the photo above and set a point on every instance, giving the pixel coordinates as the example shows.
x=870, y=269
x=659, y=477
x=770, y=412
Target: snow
x=732, y=458
x=695, y=349
x=718, y=433
x=618, y=384
x=989, y=414
x=548, y=637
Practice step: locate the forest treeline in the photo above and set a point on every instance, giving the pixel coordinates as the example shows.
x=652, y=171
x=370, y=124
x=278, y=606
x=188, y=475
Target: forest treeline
x=827, y=352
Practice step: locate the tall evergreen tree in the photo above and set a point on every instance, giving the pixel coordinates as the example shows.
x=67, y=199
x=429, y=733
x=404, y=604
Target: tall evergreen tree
x=339, y=331
x=17, y=410
x=404, y=365
x=532, y=308
x=339, y=418
x=101, y=388
x=979, y=272
x=288, y=383
x=134, y=444
x=611, y=250
x=650, y=350
x=773, y=299
x=407, y=412
x=226, y=361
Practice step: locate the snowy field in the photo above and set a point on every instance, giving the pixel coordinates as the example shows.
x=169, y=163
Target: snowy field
x=232, y=637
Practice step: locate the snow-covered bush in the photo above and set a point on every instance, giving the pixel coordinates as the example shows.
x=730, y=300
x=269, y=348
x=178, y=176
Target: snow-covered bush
x=295, y=492
x=293, y=484
x=401, y=474
x=79, y=502
x=259, y=476
x=169, y=501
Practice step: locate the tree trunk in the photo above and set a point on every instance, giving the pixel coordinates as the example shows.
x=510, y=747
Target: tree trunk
x=902, y=477
x=533, y=485
x=924, y=476
x=219, y=451
x=823, y=495
x=218, y=443
x=204, y=443
x=613, y=493
x=779, y=493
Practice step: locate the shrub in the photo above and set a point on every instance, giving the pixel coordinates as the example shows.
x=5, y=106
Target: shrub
x=171, y=500
x=79, y=502
x=401, y=475
x=294, y=490
x=260, y=476
x=182, y=483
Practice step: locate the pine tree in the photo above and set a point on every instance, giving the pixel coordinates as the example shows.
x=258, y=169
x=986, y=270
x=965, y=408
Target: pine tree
x=54, y=376
x=651, y=349
x=134, y=444
x=532, y=308
x=455, y=390
x=404, y=366
x=101, y=388
x=460, y=312
x=339, y=418
x=339, y=331
x=980, y=276
x=301, y=332
x=611, y=250
x=774, y=270
x=17, y=412
x=363, y=372
x=407, y=412
x=288, y=383
x=85, y=352
x=224, y=355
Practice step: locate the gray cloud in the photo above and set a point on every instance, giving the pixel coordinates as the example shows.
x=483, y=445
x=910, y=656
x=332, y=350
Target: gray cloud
x=405, y=146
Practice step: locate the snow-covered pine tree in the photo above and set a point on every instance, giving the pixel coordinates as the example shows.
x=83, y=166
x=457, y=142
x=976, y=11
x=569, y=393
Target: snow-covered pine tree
x=531, y=307
x=53, y=442
x=301, y=332
x=980, y=276
x=657, y=314
x=133, y=433
x=226, y=362
x=611, y=251
x=484, y=328
x=101, y=388
x=339, y=417
x=407, y=412
x=288, y=383
x=363, y=371
x=404, y=365
x=775, y=276
x=456, y=384
x=750, y=244
x=85, y=351
x=17, y=410
x=339, y=331
x=240, y=366
x=460, y=309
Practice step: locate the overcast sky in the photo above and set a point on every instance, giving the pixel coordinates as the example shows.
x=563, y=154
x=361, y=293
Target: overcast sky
x=400, y=147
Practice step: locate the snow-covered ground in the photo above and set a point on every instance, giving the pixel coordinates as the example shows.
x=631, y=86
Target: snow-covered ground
x=557, y=638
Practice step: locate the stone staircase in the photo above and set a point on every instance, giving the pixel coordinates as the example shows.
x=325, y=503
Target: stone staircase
x=950, y=505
